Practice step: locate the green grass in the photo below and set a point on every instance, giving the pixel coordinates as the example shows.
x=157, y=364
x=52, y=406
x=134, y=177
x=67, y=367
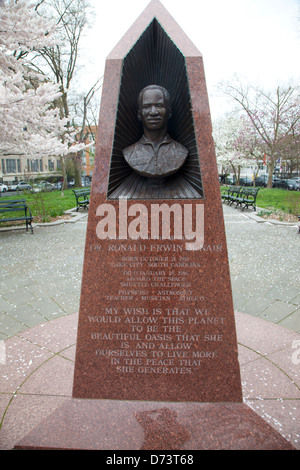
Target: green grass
x=275, y=199
x=45, y=206
x=279, y=200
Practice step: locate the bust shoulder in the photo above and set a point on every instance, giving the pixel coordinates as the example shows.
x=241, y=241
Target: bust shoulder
x=129, y=151
x=179, y=147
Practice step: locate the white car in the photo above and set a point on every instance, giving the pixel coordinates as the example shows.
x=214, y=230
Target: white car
x=3, y=187
x=23, y=186
x=13, y=187
x=44, y=186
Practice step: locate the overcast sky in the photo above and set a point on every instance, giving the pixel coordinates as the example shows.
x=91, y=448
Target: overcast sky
x=256, y=39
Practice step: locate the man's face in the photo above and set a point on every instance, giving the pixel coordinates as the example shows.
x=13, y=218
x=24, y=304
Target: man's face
x=154, y=113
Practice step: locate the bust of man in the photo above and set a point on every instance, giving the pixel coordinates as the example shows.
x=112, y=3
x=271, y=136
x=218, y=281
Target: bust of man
x=156, y=155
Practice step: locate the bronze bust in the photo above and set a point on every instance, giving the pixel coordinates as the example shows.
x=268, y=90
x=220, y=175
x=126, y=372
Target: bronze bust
x=156, y=155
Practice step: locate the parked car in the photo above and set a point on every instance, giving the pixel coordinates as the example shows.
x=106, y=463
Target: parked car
x=246, y=181
x=58, y=185
x=230, y=180
x=293, y=185
x=44, y=186
x=3, y=188
x=23, y=186
x=279, y=183
x=261, y=181
x=86, y=182
x=13, y=187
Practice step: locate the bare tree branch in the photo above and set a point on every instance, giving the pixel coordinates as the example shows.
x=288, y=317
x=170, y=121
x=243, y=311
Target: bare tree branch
x=275, y=116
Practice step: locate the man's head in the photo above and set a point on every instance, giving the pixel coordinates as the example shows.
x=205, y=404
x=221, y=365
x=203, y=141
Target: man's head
x=154, y=107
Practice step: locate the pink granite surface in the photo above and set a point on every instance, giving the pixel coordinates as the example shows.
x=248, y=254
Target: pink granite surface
x=121, y=425
x=134, y=345
x=157, y=10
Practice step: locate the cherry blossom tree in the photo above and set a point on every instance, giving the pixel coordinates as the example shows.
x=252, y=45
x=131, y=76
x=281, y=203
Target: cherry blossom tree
x=29, y=121
x=274, y=115
x=248, y=145
x=59, y=62
x=234, y=144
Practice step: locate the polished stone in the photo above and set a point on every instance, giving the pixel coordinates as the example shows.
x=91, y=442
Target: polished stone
x=124, y=425
x=156, y=319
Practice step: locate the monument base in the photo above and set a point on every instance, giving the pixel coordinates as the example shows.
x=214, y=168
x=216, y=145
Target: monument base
x=81, y=424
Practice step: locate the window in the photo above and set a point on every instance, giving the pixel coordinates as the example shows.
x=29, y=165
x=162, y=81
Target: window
x=11, y=166
x=34, y=165
x=50, y=165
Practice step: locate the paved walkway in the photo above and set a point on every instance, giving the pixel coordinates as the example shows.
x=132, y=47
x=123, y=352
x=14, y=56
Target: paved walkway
x=264, y=264
x=40, y=274
x=40, y=287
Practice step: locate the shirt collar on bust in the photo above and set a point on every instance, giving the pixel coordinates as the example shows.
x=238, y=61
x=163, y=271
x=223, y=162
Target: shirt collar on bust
x=167, y=139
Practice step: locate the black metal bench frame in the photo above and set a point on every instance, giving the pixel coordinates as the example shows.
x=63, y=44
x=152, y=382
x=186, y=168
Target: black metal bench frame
x=241, y=196
x=16, y=205
x=79, y=194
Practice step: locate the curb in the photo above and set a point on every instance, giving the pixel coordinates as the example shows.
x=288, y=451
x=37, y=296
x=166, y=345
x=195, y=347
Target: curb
x=259, y=219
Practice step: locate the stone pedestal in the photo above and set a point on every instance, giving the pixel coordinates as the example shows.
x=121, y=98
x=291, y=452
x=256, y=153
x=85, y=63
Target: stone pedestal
x=128, y=425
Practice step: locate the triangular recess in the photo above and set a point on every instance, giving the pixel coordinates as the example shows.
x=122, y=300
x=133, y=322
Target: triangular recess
x=154, y=59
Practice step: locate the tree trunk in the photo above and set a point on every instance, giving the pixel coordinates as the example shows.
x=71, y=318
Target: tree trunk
x=270, y=169
x=234, y=172
x=77, y=170
x=238, y=176
x=64, y=172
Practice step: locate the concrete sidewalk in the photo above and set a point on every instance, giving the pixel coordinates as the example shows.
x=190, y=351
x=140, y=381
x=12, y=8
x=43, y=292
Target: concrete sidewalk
x=40, y=274
x=264, y=265
x=40, y=288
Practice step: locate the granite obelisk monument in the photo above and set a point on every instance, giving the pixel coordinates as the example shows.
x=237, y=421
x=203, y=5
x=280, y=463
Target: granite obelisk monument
x=156, y=318
x=156, y=358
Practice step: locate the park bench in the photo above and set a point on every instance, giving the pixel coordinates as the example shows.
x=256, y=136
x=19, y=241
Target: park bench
x=13, y=208
x=241, y=196
x=82, y=197
x=229, y=193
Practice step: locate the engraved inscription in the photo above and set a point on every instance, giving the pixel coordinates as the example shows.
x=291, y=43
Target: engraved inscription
x=155, y=341
x=160, y=339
